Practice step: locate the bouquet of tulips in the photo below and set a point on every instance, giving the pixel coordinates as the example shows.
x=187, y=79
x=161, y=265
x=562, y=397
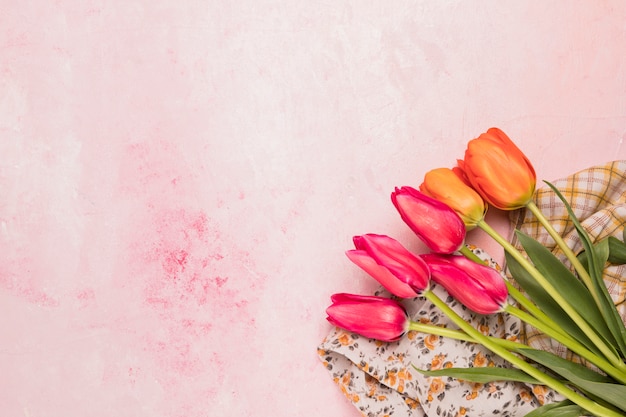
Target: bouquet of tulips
x=567, y=301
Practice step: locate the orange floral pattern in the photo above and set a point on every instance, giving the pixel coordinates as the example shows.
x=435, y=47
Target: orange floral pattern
x=381, y=379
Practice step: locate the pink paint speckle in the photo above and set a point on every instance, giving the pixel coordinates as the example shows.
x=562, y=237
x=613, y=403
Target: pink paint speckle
x=219, y=281
x=181, y=244
x=86, y=294
x=174, y=262
x=86, y=297
x=186, y=270
x=27, y=290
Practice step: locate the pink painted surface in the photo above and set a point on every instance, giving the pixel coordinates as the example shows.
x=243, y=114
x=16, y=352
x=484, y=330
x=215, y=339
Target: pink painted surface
x=179, y=180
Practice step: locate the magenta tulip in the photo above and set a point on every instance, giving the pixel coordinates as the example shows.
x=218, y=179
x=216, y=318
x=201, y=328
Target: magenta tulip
x=436, y=224
x=391, y=264
x=370, y=316
x=479, y=287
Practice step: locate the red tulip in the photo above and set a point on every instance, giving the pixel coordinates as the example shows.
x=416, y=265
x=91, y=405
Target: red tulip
x=479, y=287
x=499, y=170
x=435, y=223
x=385, y=259
x=370, y=316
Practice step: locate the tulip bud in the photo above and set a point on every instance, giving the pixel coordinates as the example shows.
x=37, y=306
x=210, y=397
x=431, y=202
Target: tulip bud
x=499, y=170
x=370, y=316
x=480, y=288
x=436, y=224
x=448, y=186
x=386, y=260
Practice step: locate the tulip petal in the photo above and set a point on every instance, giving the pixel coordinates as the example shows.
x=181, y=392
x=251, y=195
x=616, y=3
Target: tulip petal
x=406, y=267
x=499, y=170
x=370, y=316
x=436, y=224
x=465, y=284
x=451, y=187
x=381, y=274
x=489, y=279
x=460, y=286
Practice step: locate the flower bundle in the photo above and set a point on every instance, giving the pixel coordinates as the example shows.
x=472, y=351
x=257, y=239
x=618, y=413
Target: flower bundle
x=569, y=301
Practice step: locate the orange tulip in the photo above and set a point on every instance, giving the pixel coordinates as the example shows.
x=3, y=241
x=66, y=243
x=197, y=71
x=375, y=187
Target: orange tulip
x=451, y=188
x=499, y=170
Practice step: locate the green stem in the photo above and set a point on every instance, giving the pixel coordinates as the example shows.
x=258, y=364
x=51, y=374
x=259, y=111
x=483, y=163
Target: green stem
x=533, y=309
x=460, y=335
x=440, y=331
x=582, y=272
x=467, y=252
x=519, y=363
x=569, y=342
x=549, y=288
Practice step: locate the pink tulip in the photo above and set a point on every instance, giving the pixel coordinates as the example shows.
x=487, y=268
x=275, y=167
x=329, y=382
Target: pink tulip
x=436, y=224
x=386, y=260
x=479, y=287
x=370, y=316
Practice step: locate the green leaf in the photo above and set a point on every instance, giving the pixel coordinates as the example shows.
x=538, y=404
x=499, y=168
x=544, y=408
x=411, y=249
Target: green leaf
x=482, y=374
x=602, y=251
x=560, y=409
x=596, y=260
x=547, y=304
x=548, y=358
x=617, y=251
x=567, y=285
x=587, y=380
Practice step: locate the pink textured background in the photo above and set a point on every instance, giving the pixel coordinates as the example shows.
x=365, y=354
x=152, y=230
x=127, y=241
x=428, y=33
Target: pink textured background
x=179, y=179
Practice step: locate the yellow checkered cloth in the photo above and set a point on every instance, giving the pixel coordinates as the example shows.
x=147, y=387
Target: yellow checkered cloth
x=597, y=196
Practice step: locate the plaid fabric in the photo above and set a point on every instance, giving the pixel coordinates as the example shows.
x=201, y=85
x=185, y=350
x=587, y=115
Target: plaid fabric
x=598, y=198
